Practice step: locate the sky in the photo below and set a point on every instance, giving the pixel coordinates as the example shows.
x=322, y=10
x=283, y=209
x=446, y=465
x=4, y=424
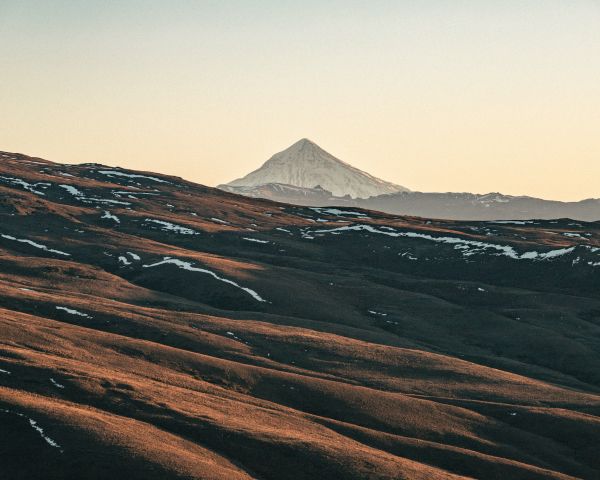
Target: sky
x=436, y=95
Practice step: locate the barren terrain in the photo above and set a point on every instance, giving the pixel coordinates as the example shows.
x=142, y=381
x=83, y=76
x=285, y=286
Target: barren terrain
x=151, y=328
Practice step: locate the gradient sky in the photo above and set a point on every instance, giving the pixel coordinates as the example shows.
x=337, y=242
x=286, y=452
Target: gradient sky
x=453, y=95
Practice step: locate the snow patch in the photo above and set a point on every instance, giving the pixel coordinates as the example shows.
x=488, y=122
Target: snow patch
x=116, y=173
x=30, y=187
x=513, y=222
x=172, y=227
x=40, y=430
x=56, y=384
x=72, y=190
x=36, y=427
x=256, y=240
x=338, y=212
x=109, y=216
x=575, y=235
x=467, y=247
x=34, y=244
x=74, y=312
x=188, y=266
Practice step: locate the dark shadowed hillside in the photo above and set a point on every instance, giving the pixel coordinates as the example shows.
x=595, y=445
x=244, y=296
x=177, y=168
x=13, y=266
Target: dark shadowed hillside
x=154, y=328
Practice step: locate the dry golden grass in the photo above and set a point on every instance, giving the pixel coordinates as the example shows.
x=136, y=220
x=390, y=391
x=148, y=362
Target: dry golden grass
x=485, y=370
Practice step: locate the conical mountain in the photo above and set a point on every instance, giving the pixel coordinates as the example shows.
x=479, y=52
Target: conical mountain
x=305, y=164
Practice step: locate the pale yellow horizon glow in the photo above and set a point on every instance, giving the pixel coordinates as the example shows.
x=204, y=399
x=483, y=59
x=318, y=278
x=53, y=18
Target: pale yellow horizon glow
x=434, y=95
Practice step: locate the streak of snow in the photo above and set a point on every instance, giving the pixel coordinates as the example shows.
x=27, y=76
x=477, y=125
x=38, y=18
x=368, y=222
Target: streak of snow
x=36, y=427
x=171, y=227
x=467, y=247
x=74, y=312
x=256, y=240
x=103, y=200
x=72, y=190
x=34, y=244
x=109, y=216
x=337, y=211
x=115, y=173
x=513, y=222
x=30, y=187
x=40, y=430
x=56, y=384
x=188, y=266
x=575, y=235
x=231, y=334
x=126, y=192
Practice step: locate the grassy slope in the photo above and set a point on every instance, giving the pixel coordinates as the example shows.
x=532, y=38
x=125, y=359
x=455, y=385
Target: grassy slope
x=482, y=367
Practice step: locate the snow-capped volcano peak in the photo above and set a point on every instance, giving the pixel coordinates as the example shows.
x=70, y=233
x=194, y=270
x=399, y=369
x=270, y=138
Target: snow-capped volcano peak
x=305, y=164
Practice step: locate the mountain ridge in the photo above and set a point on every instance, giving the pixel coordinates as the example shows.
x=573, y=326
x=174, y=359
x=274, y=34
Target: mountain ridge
x=284, y=187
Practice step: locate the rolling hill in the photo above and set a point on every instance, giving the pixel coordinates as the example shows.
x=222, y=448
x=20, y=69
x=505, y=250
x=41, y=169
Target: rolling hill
x=155, y=328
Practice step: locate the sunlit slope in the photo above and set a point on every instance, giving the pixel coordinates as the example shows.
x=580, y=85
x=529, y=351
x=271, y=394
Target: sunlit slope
x=155, y=328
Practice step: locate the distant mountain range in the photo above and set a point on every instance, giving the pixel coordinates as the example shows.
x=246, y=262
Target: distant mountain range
x=305, y=174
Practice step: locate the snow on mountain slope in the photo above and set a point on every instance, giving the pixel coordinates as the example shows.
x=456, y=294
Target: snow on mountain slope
x=307, y=165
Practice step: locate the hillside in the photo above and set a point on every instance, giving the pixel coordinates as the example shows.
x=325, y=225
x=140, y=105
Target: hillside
x=154, y=328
